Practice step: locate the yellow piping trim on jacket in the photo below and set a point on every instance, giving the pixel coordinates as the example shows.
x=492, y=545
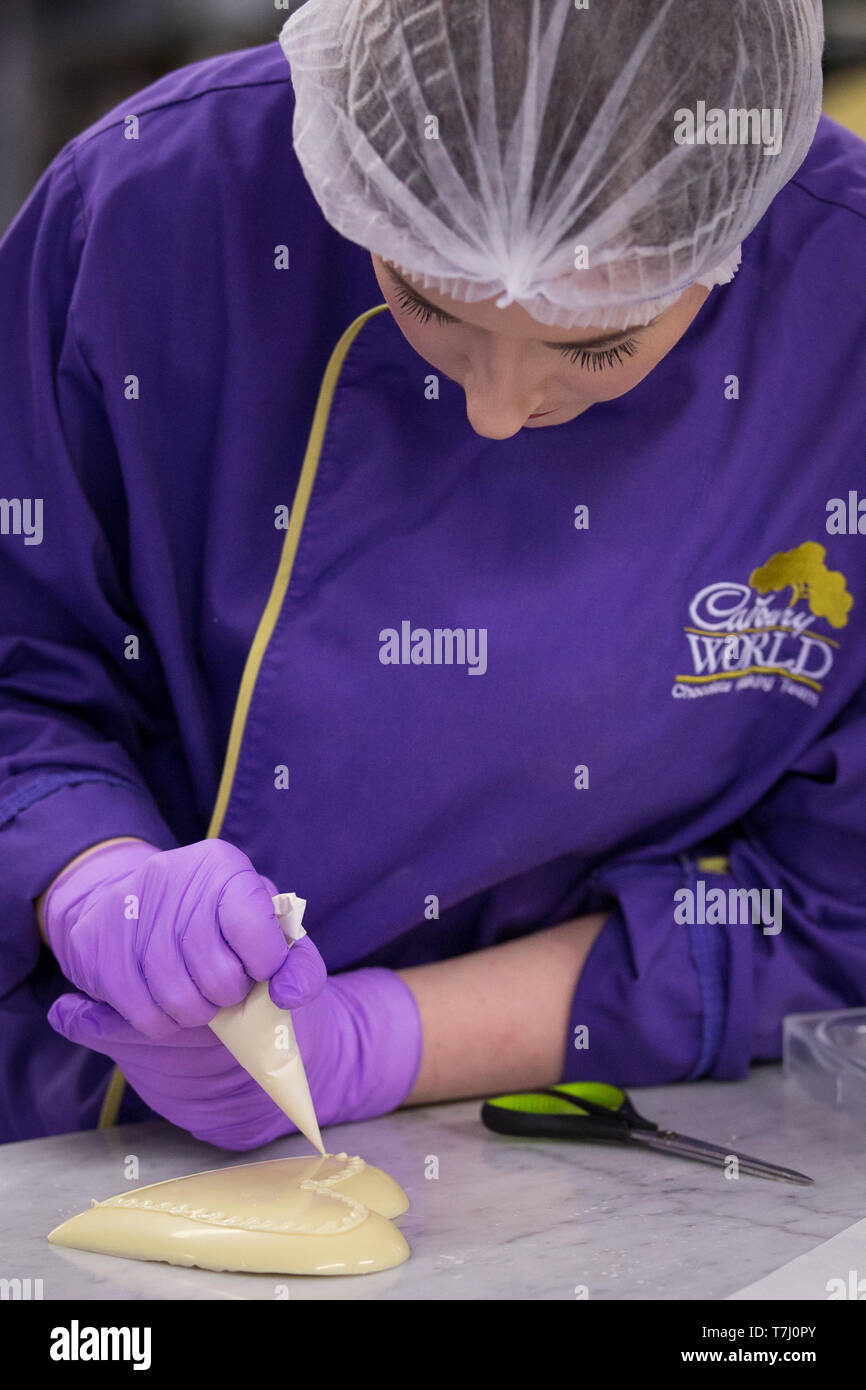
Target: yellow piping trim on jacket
x=267, y=623
x=751, y=671
x=113, y=1097
x=713, y=864
x=284, y=570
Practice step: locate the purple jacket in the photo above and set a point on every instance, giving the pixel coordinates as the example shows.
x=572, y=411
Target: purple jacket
x=206, y=440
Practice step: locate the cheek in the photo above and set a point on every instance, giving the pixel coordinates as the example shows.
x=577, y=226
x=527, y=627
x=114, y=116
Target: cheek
x=430, y=340
x=610, y=382
x=605, y=385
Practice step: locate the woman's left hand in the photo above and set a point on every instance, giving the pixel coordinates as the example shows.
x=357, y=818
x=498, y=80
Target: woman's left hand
x=360, y=1040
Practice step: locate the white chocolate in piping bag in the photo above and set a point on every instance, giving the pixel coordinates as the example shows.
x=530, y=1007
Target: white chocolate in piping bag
x=261, y=1037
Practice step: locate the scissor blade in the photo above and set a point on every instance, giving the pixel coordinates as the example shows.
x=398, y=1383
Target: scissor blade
x=713, y=1153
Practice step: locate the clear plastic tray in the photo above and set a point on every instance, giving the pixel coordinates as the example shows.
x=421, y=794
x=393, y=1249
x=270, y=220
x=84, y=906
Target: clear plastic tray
x=826, y=1054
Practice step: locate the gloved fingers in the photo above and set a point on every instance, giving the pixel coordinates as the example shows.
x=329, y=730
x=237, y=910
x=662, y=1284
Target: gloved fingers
x=93, y=1024
x=240, y=1140
x=132, y=997
x=171, y=990
x=214, y=968
x=231, y=1121
x=248, y=1122
x=148, y=986
x=247, y=920
x=205, y=1092
x=301, y=977
x=194, y=1053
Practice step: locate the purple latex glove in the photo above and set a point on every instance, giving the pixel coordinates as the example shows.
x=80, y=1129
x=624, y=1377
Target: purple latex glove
x=166, y=938
x=360, y=1041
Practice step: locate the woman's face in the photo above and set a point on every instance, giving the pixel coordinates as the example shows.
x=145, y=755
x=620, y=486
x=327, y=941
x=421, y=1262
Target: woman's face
x=512, y=367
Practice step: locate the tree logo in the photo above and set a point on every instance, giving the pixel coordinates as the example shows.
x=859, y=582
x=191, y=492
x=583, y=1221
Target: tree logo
x=754, y=637
x=804, y=571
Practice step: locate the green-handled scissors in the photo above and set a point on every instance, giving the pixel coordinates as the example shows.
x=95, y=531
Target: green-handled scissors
x=594, y=1110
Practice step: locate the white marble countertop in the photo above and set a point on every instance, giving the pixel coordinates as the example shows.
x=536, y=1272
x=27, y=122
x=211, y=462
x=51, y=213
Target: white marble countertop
x=506, y=1218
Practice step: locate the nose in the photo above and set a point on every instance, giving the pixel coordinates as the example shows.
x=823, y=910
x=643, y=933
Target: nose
x=500, y=393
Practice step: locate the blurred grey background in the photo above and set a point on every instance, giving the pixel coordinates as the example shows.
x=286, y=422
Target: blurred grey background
x=64, y=63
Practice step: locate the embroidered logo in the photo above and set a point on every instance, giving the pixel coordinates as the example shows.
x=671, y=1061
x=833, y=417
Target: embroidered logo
x=746, y=637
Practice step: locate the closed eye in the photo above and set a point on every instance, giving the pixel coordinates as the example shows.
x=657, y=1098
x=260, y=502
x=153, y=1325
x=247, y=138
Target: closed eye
x=414, y=306
x=596, y=359
x=599, y=358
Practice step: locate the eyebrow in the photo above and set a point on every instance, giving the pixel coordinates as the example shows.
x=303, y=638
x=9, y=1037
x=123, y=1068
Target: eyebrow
x=603, y=341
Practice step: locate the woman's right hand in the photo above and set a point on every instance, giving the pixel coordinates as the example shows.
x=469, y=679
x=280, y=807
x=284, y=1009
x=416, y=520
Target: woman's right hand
x=168, y=937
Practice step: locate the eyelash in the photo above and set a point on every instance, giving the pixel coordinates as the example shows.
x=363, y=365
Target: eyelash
x=597, y=359
x=600, y=358
x=419, y=310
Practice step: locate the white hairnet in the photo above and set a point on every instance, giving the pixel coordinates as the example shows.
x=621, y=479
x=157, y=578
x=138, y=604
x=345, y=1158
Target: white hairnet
x=539, y=151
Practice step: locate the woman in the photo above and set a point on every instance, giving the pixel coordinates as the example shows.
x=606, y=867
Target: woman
x=418, y=610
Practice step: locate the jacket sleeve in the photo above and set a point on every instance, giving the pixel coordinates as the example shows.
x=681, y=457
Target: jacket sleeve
x=71, y=715
x=663, y=1000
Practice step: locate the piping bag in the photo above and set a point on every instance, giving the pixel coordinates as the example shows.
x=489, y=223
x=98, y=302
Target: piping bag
x=261, y=1036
